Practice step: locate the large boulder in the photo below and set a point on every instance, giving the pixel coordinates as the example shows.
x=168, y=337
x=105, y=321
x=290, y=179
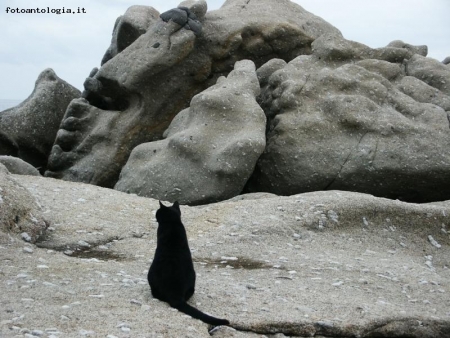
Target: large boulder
x=19, y=211
x=29, y=129
x=135, y=95
x=210, y=149
x=349, y=117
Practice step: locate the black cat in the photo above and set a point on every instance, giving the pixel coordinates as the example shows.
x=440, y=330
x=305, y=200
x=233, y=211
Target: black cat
x=171, y=275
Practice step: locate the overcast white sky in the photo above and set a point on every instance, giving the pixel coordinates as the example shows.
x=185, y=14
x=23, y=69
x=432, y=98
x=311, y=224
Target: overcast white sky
x=74, y=44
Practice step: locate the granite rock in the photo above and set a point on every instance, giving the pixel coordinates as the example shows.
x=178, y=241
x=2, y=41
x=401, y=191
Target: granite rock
x=134, y=96
x=17, y=166
x=210, y=149
x=430, y=71
x=332, y=263
x=29, y=129
x=128, y=27
x=352, y=118
x=20, y=213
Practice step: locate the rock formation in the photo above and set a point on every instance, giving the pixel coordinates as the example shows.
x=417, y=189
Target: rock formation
x=259, y=96
x=17, y=166
x=340, y=115
x=134, y=96
x=349, y=117
x=330, y=264
x=210, y=149
x=29, y=130
x=128, y=27
x=19, y=211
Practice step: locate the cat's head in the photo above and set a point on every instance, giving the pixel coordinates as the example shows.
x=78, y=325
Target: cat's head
x=167, y=214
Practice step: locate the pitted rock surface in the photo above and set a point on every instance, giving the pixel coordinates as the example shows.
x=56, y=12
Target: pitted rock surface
x=20, y=213
x=352, y=118
x=134, y=96
x=327, y=263
x=28, y=130
x=210, y=149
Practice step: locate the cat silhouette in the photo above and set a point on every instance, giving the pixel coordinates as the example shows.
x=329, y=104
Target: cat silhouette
x=172, y=275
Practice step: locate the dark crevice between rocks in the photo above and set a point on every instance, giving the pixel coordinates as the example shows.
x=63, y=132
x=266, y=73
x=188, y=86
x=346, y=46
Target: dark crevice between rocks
x=383, y=328
x=80, y=251
x=105, y=94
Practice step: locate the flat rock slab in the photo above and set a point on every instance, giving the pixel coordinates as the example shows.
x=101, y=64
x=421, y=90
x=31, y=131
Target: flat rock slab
x=317, y=264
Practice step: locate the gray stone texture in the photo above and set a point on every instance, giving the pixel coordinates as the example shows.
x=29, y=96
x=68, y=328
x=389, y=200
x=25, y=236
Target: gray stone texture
x=17, y=166
x=20, y=214
x=128, y=27
x=323, y=264
x=210, y=149
x=353, y=118
x=134, y=96
x=28, y=130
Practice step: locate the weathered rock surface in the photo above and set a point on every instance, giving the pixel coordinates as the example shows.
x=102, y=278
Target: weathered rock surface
x=317, y=264
x=17, y=166
x=134, y=96
x=28, y=130
x=430, y=71
x=19, y=212
x=210, y=149
x=128, y=27
x=349, y=117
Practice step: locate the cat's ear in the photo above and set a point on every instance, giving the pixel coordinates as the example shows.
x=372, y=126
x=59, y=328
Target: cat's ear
x=161, y=205
x=176, y=205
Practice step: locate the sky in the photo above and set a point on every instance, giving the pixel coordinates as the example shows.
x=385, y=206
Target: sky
x=73, y=44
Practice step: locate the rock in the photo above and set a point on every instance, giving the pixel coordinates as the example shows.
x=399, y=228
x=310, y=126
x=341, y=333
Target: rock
x=19, y=212
x=197, y=7
x=210, y=149
x=430, y=71
x=339, y=121
x=185, y=18
x=446, y=60
x=134, y=96
x=424, y=93
x=393, y=291
x=17, y=166
x=128, y=27
x=421, y=50
x=29, y=129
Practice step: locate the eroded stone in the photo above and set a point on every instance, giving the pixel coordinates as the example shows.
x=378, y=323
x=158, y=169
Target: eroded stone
x=28, y=130
x=210, y=149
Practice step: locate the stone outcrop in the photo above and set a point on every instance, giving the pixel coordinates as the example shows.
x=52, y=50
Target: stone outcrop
x=349, y=117
x=29, y=130
x=19, y=212
x=340, y=115
x=17, y=166
x=134, y=96
x=210, y=149
x=333, y=264
x=128, y=27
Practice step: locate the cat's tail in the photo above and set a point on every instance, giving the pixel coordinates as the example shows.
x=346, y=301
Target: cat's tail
x=197, y=314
